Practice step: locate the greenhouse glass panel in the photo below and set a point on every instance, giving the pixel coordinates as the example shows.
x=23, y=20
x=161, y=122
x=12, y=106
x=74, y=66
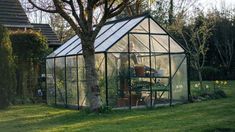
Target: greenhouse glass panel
x=78, y=47
x=175, y=47
x=142, y=27
x=179, y=81
x=176, y=61
x=104, y=29
x=60, y=81
x=100, y=68
x=71, y=77
x=160, y=73
x=139, y=42
x=118, y=34
x=69, y=48
x=76, y=50
x=109, y=34
x=155, y=28
x=66, y=44
x=83, y=102
x=103, y=36
x=140, y=79
x=120, y=46
x=159, y=43
x=50, y=76
x=113, y=80
x=160, y=64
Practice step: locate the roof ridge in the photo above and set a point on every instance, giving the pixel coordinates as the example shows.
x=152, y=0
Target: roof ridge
x=125, y=18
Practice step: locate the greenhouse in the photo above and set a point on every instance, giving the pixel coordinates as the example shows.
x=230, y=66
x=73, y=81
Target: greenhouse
x=138, y=64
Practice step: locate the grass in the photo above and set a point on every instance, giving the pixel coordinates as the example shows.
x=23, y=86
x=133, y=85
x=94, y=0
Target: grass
x=213, y=115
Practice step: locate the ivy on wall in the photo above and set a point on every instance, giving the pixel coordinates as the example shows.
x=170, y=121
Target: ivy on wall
x=29, y=49
x=7, y=77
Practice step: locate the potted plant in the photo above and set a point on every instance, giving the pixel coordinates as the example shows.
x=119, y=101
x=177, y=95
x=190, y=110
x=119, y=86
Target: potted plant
x=139, y=70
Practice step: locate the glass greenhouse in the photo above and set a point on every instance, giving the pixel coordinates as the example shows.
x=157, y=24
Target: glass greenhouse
x=138, y=63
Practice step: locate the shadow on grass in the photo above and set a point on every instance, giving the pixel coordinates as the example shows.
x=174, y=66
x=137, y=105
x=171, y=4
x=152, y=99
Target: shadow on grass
x=203, y=116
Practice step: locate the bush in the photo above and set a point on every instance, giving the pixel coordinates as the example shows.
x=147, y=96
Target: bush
x=217, y=94
x=30, y=48
x=209, y=73
x=7, y=78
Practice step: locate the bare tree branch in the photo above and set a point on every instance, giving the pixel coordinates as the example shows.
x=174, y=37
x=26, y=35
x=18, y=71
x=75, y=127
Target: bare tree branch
x=61, y=11
x=42, y=9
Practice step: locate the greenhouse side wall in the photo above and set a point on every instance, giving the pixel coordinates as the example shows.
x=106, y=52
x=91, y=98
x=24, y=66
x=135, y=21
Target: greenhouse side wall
x=179, y=78
x=60, y=81
x=50, y=76
x=71, y=82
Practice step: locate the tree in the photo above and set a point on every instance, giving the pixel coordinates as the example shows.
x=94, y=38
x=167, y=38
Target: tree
x=80, y=15
x=171, y=11
x=35, y=15
x=61, y=27
x=7, y=79
x=222, y=38
x=160, y=12
x=195, y=35
x=138, y=7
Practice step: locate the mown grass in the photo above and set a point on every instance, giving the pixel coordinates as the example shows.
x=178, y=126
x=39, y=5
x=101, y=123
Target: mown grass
x=213, y=115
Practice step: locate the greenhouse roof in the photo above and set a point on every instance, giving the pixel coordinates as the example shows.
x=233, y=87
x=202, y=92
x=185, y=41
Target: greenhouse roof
x=113, y=31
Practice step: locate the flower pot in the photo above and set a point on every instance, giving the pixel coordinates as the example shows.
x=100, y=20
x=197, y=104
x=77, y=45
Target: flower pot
x=139, y=71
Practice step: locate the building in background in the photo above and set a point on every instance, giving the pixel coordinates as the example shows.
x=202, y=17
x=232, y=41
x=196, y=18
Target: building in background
x=13, y=17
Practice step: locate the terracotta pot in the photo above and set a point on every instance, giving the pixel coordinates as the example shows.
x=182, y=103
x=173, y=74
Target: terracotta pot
x=139, y=71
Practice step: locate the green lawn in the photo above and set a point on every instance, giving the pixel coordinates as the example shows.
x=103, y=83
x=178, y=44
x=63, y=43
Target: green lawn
x=213, y=115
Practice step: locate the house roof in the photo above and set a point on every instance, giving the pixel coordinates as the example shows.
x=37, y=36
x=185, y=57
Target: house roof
x=12, y=14
x=47, y=31
x=114, y=31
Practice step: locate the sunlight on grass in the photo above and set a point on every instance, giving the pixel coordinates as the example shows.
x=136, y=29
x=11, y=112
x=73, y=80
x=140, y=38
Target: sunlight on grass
x=201, y=116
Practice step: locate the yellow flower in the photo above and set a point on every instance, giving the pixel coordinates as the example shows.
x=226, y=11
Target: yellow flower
x=222, y=82
x=225, y=82
x=217, y=82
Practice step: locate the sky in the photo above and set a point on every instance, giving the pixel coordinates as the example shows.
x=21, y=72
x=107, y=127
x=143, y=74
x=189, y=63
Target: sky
x=218, y=3
x=205, y=4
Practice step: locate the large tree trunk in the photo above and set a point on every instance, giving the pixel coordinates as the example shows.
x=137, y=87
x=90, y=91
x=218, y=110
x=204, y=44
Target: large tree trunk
x=93, y=90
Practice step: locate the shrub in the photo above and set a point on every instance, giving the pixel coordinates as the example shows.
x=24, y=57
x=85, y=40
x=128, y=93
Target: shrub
x=217, y=94
x=29, y=48
x=7, y=78
x=209, y=72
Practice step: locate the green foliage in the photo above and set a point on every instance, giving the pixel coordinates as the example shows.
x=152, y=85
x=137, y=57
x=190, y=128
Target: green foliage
x=208, y=72
x=212, y=90
x=7, y=78
x=29, y=49
x=32, y=43
x=216, y=44
x=105, y=109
